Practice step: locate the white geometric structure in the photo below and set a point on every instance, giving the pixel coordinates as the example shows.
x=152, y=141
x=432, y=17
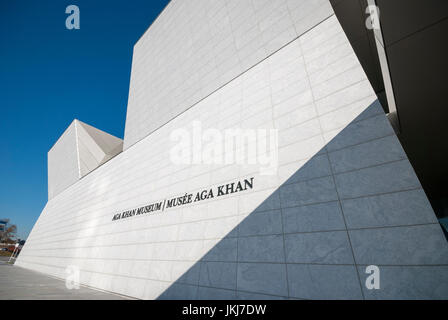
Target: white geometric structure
x=344, y=195
x=80, y=149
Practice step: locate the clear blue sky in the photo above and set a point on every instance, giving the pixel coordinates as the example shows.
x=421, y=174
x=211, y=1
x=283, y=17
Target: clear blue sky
x=50, y=75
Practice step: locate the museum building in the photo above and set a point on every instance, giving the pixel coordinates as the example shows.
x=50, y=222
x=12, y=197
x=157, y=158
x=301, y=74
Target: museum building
x=273, y=149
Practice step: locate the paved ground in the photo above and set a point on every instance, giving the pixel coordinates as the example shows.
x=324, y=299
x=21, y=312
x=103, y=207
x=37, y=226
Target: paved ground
x=21, y=284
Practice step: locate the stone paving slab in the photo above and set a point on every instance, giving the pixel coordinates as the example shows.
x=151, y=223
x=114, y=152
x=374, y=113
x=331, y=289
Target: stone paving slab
x=20, y=284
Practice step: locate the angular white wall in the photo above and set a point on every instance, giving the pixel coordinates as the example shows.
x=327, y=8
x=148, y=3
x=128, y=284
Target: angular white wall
x=195, y=47
x=63, y=166
x=344, y=196
x=80, y=149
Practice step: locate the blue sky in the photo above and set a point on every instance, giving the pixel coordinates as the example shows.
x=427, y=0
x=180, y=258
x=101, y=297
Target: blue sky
x=50, y=75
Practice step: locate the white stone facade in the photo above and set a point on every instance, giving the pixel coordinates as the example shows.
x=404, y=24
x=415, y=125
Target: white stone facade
x=344, y=195
x=197, y=46
x=80, y=150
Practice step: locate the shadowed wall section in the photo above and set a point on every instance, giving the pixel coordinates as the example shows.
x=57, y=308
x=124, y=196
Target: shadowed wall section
x=356, y=203
x=344, y=197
